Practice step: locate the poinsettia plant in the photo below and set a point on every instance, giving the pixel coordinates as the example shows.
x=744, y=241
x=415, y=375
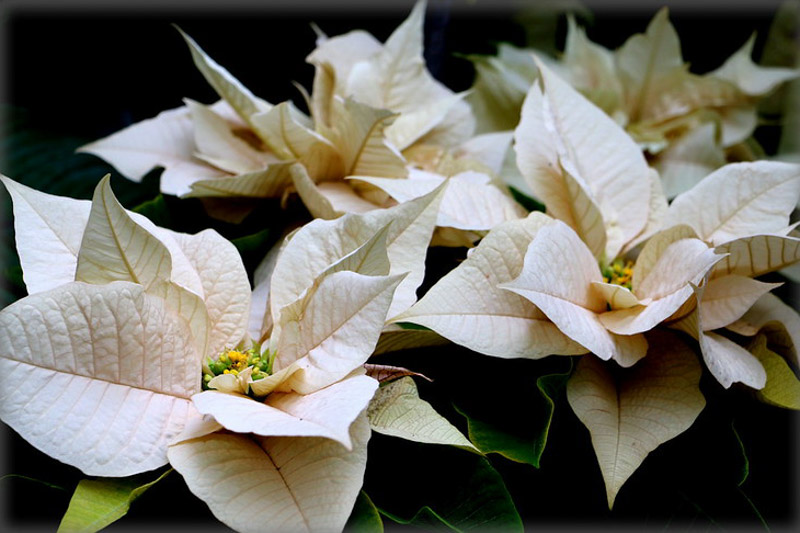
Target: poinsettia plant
x=336, y=286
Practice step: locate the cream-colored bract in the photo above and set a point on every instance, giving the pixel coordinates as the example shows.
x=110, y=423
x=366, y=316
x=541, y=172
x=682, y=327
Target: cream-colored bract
x=100, y=376
x=122, y=345
x=739, y=200
x=409, y=228
x=726, y=360
x=776, y=319
x=467, y=306
x=398, y=410
x=471, y=202
x=255, y=484
x=582, y=165
x=630, y=415
x=166, y=141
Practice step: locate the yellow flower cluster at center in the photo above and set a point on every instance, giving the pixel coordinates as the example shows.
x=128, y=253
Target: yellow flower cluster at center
x=236, y=361
x=239, y=362
x=619, y=273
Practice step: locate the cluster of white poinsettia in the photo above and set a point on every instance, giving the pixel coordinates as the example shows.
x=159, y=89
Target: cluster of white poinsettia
x=139, y=346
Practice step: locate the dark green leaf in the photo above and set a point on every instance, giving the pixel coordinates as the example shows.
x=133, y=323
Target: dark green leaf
x=409, y=325
x=39, y=481
x=523, y=440
x=156, y=210
x=365, y=517
x=438, y=487
x=253, y=243
x=526, y=201
x=745, y=468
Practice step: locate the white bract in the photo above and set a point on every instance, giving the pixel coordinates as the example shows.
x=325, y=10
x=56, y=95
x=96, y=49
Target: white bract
x=119, y=315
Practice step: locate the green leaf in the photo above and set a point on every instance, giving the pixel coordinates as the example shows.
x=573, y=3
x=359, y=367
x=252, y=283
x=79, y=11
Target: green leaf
x=254, y=242
x=526, y=201
x=365, y=517
x=99, y=502
x=426, y=518
x=453, y=490
x=783, y=387
x=755, y=510
x=522, y=442
x=45, y=160
x=550, y=387
x=409, y=325
x=745, y=470
x=26, y=478
x=156, y=210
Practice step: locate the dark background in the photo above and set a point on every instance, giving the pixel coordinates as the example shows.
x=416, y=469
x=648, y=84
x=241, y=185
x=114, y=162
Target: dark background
x=74, y=74
x=88, y=72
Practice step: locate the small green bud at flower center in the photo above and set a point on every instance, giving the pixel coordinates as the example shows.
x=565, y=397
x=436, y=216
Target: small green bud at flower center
x=619, y=273
x=234, y=362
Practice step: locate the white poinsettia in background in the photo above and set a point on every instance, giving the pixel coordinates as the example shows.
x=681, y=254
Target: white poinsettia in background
x=376, y=116
x=688, y=124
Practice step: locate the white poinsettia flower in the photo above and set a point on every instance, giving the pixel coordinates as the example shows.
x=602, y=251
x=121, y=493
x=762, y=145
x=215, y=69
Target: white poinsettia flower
x=119, y=316
x=330, y=288
x=562, y=278
x=596, y=181
x=293, y=416
x=148, y=320
x=429, y=124
x=243, y=147
x=570, y=283
x=689, y=124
